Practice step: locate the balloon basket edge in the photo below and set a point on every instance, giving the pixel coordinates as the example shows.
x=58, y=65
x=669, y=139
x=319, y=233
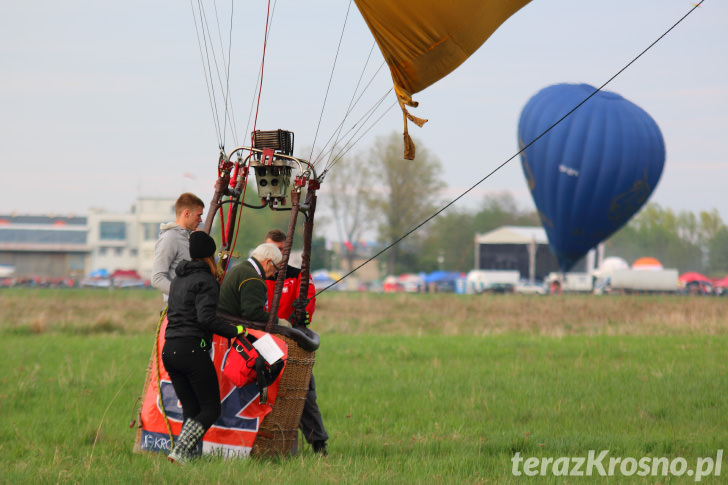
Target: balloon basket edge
x=278, y=432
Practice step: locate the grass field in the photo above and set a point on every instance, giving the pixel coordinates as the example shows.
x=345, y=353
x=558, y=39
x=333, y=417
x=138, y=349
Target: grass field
x=414, y=388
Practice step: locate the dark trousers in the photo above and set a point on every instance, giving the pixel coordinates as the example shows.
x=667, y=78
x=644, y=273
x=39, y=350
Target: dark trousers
x=312, y=425
x=194, y=379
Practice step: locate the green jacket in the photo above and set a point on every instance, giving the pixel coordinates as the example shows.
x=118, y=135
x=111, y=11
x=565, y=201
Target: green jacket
x=243, y=292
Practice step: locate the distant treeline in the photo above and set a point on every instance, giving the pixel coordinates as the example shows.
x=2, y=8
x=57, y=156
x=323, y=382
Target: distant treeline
x=685, y=240
x=380, y=193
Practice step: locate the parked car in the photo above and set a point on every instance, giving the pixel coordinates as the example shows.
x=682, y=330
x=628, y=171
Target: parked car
x=526, y=287
x=499, y=288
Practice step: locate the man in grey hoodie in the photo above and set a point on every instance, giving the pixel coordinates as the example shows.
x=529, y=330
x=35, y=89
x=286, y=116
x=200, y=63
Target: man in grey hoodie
x=173, y=244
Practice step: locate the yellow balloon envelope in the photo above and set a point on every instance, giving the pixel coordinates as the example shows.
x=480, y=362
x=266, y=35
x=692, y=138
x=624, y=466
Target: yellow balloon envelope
x=425, y=40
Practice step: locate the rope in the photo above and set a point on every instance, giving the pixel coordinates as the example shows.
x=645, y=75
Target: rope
x=331, y=77
x=349, y=108
x=523, y=148
x=354, y=130
x=259, y=75
x=208, y=80
x=159, y=384
x=374, y=106
x=356, y=127
x=208, y=57
x=228, y=110
x=237, y=229
x=350, y=144
x=262, y=66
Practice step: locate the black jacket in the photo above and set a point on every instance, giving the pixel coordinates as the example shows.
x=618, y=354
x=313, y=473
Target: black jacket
x=192, y=305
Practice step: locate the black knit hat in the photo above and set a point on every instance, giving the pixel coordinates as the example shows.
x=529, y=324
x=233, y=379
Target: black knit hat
x=201, y=245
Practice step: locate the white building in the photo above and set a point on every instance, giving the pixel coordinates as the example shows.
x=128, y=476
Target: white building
x=126, y=241
x=52, y=246
x=45, y=247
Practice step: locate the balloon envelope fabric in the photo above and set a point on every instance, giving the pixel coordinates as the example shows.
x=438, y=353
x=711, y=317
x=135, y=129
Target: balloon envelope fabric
x=591, y=172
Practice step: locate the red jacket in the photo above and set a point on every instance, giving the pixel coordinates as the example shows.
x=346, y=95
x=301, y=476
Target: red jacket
x=289, y=294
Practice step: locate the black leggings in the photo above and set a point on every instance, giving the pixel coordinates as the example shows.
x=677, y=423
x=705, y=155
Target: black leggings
x=193, y=378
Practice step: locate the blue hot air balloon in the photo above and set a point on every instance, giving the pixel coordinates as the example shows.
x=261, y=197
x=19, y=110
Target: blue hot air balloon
x=591, y=172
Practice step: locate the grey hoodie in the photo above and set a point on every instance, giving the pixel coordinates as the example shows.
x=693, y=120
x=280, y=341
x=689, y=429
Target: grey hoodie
x=172, y=247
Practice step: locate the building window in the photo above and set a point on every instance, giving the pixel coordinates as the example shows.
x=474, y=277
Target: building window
x=76, y=262
x=118, y=251
x=112, y=230
x=150, y=231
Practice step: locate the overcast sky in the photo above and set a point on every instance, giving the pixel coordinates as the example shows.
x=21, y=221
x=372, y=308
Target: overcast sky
x=101, y=102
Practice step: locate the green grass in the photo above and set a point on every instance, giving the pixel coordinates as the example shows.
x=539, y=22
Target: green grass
x=399, y=409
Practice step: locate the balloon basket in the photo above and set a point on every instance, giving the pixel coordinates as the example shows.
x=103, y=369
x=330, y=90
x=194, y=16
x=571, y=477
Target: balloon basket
x=278, y=433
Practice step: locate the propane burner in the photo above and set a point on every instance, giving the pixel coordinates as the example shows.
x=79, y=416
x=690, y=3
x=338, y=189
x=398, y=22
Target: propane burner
x=272, y=170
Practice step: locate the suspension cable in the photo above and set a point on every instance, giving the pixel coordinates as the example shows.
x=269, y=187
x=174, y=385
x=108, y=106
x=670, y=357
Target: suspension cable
x=207, y=31
x=374, y=105
x=331, y=77
x=209, y=57
x=262, y=66
x=522, y=149
x=259, y=75
x=230, y=221
x=335, y=136
x=208, y=77
x=359, y=126
x=228, y=105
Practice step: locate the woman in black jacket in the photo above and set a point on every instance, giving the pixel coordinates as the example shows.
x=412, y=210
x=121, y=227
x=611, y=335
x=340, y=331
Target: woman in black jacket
x=191, y=321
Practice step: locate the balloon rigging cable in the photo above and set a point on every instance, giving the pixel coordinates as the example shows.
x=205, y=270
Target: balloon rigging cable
x=208, y=53
x=331, y=77
x=523, y=148
x=205, y=54
x=351, y=105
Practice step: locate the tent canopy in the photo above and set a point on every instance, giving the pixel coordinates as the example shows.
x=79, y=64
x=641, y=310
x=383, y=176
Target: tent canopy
x=690, y=277
x=444, y=277
x=647, y=263
x=722, y=283
x=99, y=273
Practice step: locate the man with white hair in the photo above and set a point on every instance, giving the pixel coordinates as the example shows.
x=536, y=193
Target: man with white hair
x=243, y=292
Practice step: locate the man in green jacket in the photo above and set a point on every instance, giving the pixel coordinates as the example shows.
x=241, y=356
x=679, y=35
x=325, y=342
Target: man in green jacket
x=243, y=292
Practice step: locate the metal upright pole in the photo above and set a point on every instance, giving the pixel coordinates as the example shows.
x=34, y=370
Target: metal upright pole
x=220, y=190
x=283, y=265
x=300, y=307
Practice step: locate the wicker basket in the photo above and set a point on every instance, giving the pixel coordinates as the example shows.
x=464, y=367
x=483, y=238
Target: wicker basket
x=278, y=433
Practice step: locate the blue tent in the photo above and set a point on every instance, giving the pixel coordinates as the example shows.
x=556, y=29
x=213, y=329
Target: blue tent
x=446, y=281
x=443, y=277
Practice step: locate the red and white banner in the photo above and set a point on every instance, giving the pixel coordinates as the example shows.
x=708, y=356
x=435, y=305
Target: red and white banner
x=234, y=432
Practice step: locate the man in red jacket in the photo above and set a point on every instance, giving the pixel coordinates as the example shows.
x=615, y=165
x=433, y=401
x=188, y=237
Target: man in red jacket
x=311, y=424
x=291, y=284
